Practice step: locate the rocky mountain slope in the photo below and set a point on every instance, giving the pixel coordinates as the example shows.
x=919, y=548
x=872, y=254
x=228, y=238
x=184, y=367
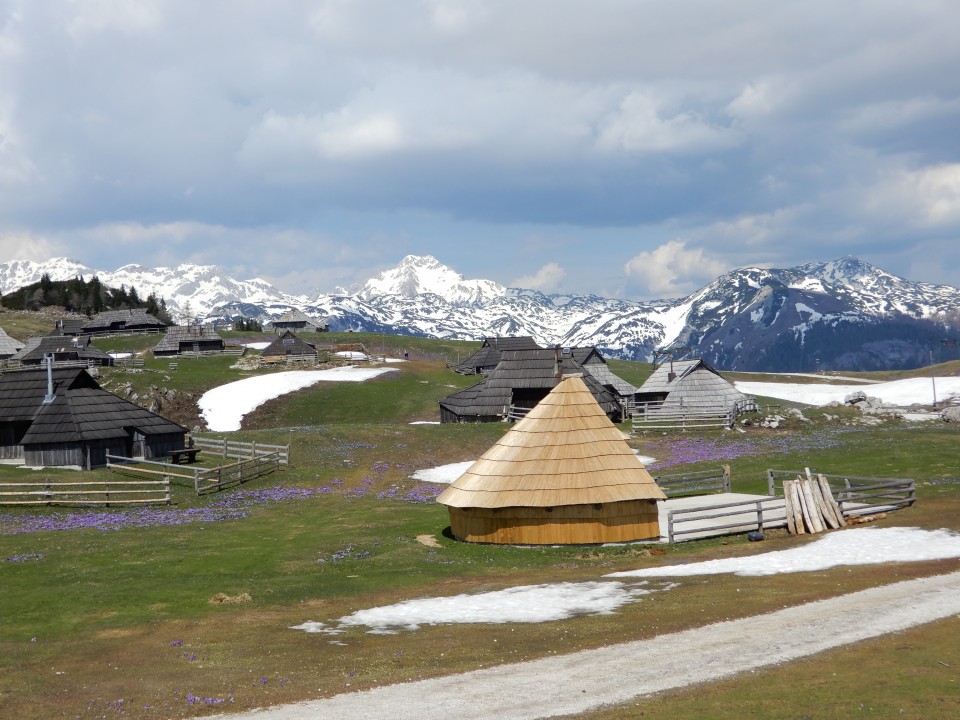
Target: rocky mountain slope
x=845, y=314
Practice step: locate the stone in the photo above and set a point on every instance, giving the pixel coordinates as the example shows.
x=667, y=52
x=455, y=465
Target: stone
x=855, y=397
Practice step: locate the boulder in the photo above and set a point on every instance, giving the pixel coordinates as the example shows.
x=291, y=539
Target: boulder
x=853, y=398
x=951, y=414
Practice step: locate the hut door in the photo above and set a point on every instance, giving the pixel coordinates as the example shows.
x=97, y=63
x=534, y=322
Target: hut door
x=196, y=347
x=139, y=445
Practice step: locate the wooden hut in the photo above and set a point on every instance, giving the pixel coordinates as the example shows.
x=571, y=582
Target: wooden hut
x=78, y=423
x=297, y=320
x=288, y=346
x=133, y=320
x=64, y=348
x=8, y=346
x=562, y=475
x=488, y=356
x=590, y=359
x=521, y=380
x=688, y=385
x=181, y=339
x=68, y=326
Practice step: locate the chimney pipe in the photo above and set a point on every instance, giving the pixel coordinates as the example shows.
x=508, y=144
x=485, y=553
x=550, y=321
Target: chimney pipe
x=49, y=397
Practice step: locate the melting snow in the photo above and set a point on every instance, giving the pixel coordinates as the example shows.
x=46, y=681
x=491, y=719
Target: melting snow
x=443, y=474
x=559, y=601
x=224, y=407
x=859, y=546
x=900, y=393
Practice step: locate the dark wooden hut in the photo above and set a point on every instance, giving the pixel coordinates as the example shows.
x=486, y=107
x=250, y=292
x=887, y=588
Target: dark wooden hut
x=182, y=339
x=63, y=348
x=562, y=475
x=288, y=346
x=521, y=380
x=78, y=423
x=488, y=356
x=132, y=320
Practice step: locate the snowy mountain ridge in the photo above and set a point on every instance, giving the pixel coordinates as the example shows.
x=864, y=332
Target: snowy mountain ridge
x=844, y=311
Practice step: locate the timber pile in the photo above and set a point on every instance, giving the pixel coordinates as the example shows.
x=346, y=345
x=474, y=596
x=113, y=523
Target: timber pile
x=810, y=505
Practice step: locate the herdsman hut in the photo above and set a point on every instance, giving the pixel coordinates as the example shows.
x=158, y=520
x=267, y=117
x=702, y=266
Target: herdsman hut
x=562, y=475
x=297, y=320
x=132, y=320
x=689, y=385
x=63, y=417
x=521, y=380
x=63, y=348
x=488, y=356
x=182, y=339
x=288, y=346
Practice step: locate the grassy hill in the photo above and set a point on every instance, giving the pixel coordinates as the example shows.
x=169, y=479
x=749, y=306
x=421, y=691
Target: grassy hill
x=184, y=611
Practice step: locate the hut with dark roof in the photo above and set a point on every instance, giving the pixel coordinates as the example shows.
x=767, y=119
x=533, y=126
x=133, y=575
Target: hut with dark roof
x=690, y=386
x=68, y=326
x=64, y=348
x=78, y=423
x=289, y=346
x=488, y=356
x=132, y=320
x=297, y=320
x=8, y=346
x=521, y=380
x=182, y=339
x=562, y=475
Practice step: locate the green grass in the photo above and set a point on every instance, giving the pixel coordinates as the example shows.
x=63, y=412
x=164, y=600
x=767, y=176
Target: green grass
x=126, y=614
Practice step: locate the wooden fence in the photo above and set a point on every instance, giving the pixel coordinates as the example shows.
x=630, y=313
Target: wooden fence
x=855, y=495
x=217, y=478
x=241, y=450
x=204, y=480
x=94, y=492
x=733, y=517
x=695, y=483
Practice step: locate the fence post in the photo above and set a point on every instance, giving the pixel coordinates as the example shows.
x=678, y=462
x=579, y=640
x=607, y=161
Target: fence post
x=771, y=490
x=253, y=449
x=106, y=493
x=759, y=515
x=224, y=447
x=670, y=527
x=726, y=478
x=49, y=495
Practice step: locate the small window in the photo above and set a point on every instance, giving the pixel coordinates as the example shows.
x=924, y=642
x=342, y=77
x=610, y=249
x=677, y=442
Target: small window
x=288, y=341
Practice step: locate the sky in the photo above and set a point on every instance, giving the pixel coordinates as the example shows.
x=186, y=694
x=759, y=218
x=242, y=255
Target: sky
x=628, y=149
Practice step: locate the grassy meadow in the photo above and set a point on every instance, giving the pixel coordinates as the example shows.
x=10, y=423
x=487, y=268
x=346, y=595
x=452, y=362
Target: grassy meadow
x=183, y=611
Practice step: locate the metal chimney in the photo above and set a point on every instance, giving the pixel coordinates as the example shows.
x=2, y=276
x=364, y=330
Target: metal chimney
x=49, y=397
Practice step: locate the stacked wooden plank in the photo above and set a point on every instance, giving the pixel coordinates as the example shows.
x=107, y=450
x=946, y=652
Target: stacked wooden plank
x=810, y=505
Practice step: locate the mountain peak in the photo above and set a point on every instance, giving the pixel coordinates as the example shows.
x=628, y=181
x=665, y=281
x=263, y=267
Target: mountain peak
x=424, y=274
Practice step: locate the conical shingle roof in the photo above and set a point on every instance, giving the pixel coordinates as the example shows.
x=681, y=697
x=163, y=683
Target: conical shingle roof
x=564, y=452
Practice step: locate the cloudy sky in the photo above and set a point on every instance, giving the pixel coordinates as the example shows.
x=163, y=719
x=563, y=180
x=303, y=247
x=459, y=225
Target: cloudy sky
x=632, y=148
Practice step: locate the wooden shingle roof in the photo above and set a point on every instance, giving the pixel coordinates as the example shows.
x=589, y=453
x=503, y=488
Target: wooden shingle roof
x=691, y=384
x=564, y=452
x=62, y=347
x=133, y=317
x=488, y=356
x=288, y=344
x=523, y=370
x=8, y=345
x=81, y=409
x=186, y=334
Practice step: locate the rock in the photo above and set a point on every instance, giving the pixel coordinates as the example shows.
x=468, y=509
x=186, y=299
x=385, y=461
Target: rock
x=154, y=405
x=951, y=414
x=855, y=397
x=755, y=536
x=170, y=395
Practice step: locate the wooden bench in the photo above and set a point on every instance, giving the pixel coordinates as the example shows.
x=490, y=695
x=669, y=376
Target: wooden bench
x=174, y=366
x=190, y=454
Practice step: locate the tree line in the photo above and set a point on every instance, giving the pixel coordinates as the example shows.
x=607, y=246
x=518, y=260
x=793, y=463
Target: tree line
x=85, y=297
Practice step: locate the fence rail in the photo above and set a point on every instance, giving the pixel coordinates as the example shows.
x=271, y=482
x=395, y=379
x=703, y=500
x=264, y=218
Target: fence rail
x=93, y=492
x=241, y=450
x=218, y=478
x=741, y=516
x=855, y=495
x=695, y=483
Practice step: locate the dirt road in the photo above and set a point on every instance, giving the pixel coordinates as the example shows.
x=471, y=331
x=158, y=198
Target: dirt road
x=585, y=680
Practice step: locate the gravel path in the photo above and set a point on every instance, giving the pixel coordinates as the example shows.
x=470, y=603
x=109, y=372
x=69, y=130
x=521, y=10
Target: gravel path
x=585, y=680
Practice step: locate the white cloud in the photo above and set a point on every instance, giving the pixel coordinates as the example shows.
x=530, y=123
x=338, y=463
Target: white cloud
x=28, y=246
x=546, y=279
x=928, y=197
x=672, y=269
x=640, y=124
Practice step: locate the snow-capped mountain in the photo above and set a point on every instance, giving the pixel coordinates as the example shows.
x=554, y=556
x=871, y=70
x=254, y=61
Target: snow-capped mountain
x=844, y=314
x=422, y=275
